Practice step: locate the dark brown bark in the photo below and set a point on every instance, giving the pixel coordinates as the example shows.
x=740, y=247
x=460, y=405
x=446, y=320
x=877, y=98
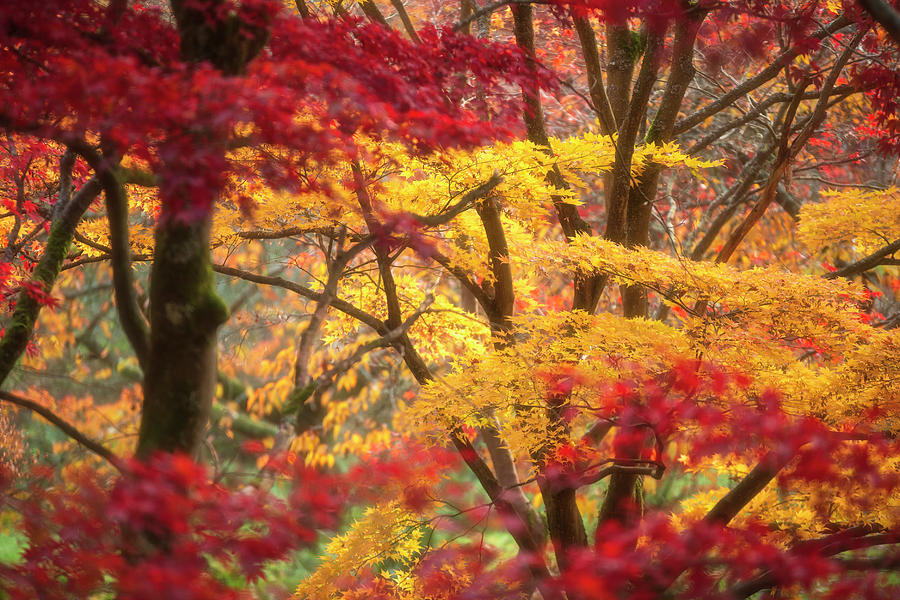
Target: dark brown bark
x=731, y=504
x=500, y=296
x=587, y=286
x=523, y=22
x=885, y=15
x=563, y=516
x=373, y=13
x=643, y=192
x=500, y=290
x=228, y=43
x=407, y=22
x=133, y=323
x=622, y=54
x=594, y=71
x=466, y=9
x=631, y=204
x=869, y=262
x=617, y=196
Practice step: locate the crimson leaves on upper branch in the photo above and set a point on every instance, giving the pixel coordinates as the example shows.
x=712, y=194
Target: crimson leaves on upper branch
x=74, y=68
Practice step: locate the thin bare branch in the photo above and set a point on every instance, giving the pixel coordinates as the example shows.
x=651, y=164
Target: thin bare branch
x=490, y=8
x=336, y=303
x=64, y=426
x=767, y=74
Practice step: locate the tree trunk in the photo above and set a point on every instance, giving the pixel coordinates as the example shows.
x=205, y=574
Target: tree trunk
x=623, y=497
x=185, y=314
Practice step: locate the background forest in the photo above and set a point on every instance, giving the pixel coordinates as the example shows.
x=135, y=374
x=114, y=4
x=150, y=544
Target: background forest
x=449, y=300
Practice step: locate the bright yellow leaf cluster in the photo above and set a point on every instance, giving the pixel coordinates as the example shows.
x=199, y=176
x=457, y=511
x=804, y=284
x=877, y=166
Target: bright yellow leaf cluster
x=386, y=532
x=865, y=219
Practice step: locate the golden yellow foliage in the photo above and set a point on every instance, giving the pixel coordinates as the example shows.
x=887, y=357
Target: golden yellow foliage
x=864, y=219
x=385, y=532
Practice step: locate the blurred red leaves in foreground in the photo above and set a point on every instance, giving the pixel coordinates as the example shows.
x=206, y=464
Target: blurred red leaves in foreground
x=159, y=526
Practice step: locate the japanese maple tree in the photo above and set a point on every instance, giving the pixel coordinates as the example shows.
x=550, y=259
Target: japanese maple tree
x=575, y=229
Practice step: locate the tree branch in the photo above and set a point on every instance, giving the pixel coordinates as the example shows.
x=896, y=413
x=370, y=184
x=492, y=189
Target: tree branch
x=768, y=580
x=407, y=22
x=500, y=308
x=466, y=202
x=260, y=234
x=130, y=316
x=864, y=264
x=617, y=197
x=336, y=303
x=486, y=10
x=373, y=12
x=520, y=531
x=643, y=192
x=20, y=326
x=770, y=72
x=728, y=507
x=302, y=8
x=133, y=323
x=787, y=152
x=587, y=287
x=885, y=15
x=389, y=338
x=462, y=277
x=594, y=71
x=756, y=111
x=65, y=427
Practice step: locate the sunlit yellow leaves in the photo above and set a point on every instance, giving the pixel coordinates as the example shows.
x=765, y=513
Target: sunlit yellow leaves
x=784, y=305
x=385, y=532
x=865, y=219
x=798, y=510
x=784, y=513
x=669, y=155
x=505, y=387
x=753, y=321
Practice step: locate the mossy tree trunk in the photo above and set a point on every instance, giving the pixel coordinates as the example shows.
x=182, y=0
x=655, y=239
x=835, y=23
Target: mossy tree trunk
x=20, y=327
x=185, y=314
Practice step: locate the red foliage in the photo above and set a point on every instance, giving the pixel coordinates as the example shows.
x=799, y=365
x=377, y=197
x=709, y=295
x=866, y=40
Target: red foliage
x=74, y=70
x=156, y=529
x=684, y=411
x=158, y=525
